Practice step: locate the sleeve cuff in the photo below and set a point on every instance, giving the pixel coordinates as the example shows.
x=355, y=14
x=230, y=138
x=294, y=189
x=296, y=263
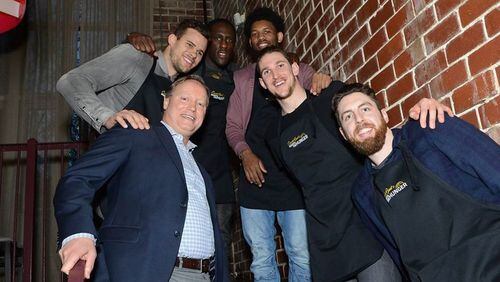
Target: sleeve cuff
x=78, y=235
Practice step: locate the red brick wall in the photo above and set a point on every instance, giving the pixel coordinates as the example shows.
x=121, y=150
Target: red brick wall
x=446, y=49
x=167, y=14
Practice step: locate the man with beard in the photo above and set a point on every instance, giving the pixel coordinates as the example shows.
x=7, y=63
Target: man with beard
x=266, y=191
x=125, y=85
x=432, y=197
x=306, y=141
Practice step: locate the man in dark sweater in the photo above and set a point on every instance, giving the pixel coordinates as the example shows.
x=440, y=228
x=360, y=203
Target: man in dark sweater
x=432, y=197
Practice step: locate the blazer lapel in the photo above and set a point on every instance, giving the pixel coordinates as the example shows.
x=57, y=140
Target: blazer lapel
x=168, y=142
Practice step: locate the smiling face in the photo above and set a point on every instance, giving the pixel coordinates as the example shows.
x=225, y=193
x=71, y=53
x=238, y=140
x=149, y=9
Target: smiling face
x=221, y=47
x=264, y=34
x=362, y=123
x=185, y=108
x=277, y=74
x=186, y=51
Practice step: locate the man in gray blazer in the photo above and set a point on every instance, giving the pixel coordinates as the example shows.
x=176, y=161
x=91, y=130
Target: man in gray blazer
x=127, y=85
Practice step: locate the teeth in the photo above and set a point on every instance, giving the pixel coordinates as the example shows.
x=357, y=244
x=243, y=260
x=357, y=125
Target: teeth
x=188, y=117
x=263, y=45
x=365, y=130
x=278, y=83
x=188, y=60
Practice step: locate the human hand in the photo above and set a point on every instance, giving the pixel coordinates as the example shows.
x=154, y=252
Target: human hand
x=136, y=120
x=320, y=81
x=76, y=249
x=141, y=42
x=429, y=107
x=253, y=166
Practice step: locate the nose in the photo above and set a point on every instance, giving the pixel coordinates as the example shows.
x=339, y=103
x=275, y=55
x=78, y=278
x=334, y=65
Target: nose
x=223, y=43
x=192, y=106
x=357, y=118
x=273, y=74
x=261, y=35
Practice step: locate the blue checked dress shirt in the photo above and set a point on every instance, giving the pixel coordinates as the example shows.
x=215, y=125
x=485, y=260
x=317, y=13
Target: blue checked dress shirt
x=197, y=239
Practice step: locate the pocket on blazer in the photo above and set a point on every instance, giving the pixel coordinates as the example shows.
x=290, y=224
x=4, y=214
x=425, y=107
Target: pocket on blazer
x=126, y=234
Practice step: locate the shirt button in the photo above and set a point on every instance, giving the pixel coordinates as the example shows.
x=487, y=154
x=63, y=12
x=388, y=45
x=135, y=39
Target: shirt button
x=183, y=205
x=177, y=233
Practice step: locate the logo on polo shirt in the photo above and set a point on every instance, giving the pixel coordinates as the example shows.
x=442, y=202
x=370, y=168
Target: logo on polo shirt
x=297, y=140
x=217, y=95
x=216, y=75
x=393, y=190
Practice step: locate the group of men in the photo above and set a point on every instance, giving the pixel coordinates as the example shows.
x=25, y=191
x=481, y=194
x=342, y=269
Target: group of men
x=163, y=215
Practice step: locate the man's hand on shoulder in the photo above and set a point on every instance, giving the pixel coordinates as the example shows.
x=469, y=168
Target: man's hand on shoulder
x=136, y=120
x=76, y=249
x=142, y=42
x=320, y=81
x=253, y=167
x=429, y=107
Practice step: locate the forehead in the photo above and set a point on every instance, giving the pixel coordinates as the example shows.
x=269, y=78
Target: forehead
x=263, y=24
x=192, y=35
x=354, y=100
x=190, y=87
x=222, y=27
x=271, y=59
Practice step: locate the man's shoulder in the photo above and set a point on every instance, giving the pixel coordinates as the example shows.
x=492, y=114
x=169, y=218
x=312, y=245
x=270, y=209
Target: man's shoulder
x=128, y=51
x=245, y=73
x=324, y=99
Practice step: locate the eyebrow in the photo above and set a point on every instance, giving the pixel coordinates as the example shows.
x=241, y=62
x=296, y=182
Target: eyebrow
x=361, y=105
x=195, y=46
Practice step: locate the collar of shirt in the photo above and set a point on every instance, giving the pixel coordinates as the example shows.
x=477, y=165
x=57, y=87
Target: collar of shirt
x=225, y=72
x=163, y=65
x=179, y=138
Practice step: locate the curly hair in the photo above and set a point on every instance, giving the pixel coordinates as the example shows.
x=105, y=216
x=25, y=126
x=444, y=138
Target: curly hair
x=267, y=14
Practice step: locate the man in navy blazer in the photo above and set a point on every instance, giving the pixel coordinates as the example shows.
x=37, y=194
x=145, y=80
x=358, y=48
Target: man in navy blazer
x=160, y=220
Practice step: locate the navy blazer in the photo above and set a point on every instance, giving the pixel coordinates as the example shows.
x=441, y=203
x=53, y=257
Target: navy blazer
x=146, y=204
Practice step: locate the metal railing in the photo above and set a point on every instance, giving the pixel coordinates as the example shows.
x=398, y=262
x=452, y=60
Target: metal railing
x=28, y=176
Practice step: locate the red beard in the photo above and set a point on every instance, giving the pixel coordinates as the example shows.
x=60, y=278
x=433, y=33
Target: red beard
x=370, y=145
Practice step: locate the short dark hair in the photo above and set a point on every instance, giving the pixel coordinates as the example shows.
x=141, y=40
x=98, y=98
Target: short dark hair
x=267, y=14
x=272, y=49
x=184, y=78
x=349, y=89
x=220, y=21
x=194, y=24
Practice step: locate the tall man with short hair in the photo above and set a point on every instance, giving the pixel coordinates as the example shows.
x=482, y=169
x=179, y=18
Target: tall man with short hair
x=432, y=197
x=160, y=224
x=213, y=151
x=306, y=141
x=125, y=85
x=265, y=190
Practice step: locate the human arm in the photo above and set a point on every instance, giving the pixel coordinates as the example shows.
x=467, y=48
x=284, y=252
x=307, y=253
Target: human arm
x=237, y=118
x=253, y=167
x=469, y=149
x=239, y=110
x=136, y=120
x=75, y=192
x=142, y=42
x=429, y=108
x=122, y=68
x=76, y=249
x=314, y=81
